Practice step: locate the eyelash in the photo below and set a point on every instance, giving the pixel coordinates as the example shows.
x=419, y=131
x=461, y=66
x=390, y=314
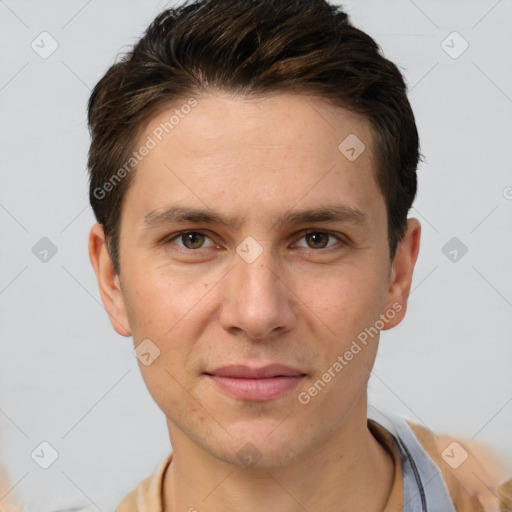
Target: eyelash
x=175, y=236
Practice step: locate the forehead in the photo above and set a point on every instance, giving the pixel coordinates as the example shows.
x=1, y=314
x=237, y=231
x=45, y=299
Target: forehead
x=221, y=121
x=284, y=147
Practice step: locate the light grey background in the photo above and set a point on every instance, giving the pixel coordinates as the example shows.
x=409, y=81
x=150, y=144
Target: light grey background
x=67, y=378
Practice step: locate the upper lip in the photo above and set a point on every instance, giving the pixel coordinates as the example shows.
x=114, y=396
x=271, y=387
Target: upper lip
x=264, y=372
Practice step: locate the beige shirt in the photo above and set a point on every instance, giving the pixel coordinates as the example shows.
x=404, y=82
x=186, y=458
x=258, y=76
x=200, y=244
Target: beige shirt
x=464, y=492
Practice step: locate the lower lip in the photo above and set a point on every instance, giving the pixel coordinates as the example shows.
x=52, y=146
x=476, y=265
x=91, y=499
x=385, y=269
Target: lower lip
x=256, y=389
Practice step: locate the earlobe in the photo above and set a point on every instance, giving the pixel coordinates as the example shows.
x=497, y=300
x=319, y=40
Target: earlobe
x=108, y=281
x=402, y=271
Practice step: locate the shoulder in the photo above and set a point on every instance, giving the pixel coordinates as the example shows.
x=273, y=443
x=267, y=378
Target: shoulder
x=147, y=496
x=473, y=473
x=129, y=502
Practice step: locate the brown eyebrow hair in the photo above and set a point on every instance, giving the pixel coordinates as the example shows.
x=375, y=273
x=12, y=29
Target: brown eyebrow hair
x=326, y=213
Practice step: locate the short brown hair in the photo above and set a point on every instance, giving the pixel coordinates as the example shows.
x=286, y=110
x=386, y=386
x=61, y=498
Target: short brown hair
x=251, y=47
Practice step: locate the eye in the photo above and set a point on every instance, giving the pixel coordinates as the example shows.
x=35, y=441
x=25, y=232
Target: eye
x=319, y=239
x=191, y=240
x=194, y=240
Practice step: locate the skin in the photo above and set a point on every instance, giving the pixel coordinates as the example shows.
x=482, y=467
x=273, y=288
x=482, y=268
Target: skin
x=299, y=303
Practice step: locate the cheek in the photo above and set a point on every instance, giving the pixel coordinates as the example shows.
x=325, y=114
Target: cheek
x=348, y=305
x=345, y=302
x=174, y=394
x=165, y=307
x=160, y=299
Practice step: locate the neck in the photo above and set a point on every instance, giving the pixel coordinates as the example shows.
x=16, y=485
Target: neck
x=351, y=471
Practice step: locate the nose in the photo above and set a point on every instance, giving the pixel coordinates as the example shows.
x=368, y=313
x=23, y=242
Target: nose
x=257, y=300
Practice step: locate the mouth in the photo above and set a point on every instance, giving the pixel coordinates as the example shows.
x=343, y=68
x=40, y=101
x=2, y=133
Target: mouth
x=256, y=384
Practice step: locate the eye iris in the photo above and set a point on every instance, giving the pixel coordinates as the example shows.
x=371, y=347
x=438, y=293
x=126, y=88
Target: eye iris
x=192, y=238
x=315, y=237
x=195, y=240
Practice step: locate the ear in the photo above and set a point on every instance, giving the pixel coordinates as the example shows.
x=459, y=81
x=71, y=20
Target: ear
x=108, y=281
x=401, y=272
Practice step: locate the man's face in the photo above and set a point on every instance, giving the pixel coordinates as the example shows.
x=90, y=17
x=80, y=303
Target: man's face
x=257, y=291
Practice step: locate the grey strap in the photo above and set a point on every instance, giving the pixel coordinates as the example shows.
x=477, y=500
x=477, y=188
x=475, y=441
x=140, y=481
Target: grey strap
x=423, y=484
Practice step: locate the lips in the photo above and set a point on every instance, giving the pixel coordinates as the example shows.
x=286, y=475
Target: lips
x=256, y=384
x=265, y=372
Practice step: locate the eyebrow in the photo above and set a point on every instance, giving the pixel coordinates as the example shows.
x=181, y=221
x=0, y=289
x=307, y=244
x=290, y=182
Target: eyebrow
x=326, y=213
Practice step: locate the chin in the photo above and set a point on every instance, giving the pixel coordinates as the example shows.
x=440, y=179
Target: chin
x=252, y=446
